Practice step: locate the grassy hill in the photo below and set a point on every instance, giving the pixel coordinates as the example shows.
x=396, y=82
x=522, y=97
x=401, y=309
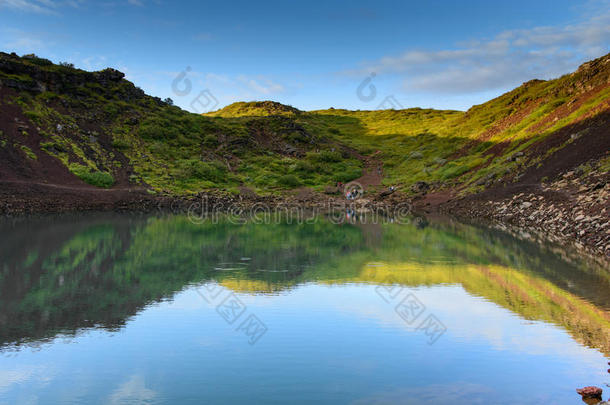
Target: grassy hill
x=62, y=125
x=492, y=142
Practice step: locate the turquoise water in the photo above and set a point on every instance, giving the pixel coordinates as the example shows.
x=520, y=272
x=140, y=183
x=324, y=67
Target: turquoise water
x=125, y=309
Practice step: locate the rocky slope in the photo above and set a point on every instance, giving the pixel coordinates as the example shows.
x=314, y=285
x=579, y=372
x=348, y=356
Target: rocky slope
x=573, y=209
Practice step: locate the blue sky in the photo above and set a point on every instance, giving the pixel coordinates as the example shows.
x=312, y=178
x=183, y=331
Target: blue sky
x=313, y=55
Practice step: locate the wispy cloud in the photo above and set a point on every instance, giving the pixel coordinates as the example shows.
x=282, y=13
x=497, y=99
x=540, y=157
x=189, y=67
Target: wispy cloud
x=31, y=6
x=261, y=85
x=39, y=6
x=509, y=58
x=134, y=391
x=203, y=37
x=21, y=41
x=138, y=3
x=94, y=62
x=227, y=88
x=241, y=85
x=27, y=44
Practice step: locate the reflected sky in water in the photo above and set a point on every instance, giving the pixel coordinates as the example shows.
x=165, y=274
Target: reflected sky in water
x=116, y=309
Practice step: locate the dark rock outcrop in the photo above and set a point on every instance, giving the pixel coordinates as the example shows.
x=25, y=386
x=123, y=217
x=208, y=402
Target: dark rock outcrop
x=420, y=187
x=590, y=392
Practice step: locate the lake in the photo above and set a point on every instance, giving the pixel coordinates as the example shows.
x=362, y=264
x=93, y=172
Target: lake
x=139, y=309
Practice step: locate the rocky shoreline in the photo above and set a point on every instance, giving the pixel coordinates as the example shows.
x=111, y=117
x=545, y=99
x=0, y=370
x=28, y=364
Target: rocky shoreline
x=572, y=210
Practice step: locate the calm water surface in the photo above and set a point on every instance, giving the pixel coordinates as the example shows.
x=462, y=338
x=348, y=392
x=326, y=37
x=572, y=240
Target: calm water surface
x=126, y=309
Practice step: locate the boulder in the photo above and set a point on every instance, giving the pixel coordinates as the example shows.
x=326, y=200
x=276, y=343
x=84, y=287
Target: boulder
x=331, y=190
x=515, y=157
x=590, y=392
x=420, y=187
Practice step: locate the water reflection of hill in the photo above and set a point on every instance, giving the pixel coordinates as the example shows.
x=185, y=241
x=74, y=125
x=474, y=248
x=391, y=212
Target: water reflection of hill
x=64, y=274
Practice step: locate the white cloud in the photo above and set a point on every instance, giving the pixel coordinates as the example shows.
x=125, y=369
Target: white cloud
x=32, y=6
x=261, y=85
x=133, y=391
x=38, y=6
x=136, y=3
x=26, y=43
x=226, y=88
x=218, y=78
x=229, y=88
x=17, y=40
x=508, y=59
x=95, y=62
x=35, y=376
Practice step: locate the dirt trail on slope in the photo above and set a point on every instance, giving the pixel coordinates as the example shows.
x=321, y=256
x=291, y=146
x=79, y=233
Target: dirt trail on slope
x=372, y=173
x=372, y=170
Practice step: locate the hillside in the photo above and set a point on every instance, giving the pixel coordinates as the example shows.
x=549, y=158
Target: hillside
x=255, y=109
x=67, y=126
x=79, y=132
x=494, y=142
x=62, y=124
